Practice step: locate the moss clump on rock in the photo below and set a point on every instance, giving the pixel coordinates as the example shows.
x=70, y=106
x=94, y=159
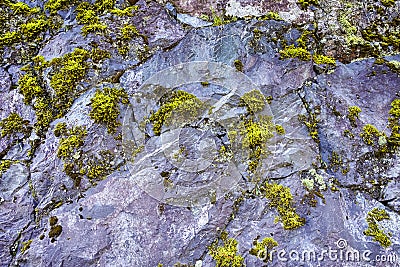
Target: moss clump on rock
x=279, y=129
x=13, y=124
x=128, y=32
x=370, y=134
x=105, y=107
x=93, y=28
x=55, y=231
x=387, y=3
x=312, y=124
x=262, y=249
x=271, y=16
x=68, y=72
x=254, y=101
x=306, y=3
x=394, y=116
x=34, y=27
x=5, y=165
x=21, y=8
x=238, y=65
x=256, y=133
x=374, y=216
x=179, y=103
x=226, y=255
x=295, y=52
x=281, y=199
x=29, y=87
x=103, y=5
x=26, y=245
x=324, y=60
x=70, y=149
x=352, y=115
x=53, y=6
x=74, y=139
x=124, y=12
x=9, y=38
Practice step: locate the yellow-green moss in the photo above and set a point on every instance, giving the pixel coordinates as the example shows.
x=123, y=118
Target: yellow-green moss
x=353, y=113
x=33, y=28
x=394, y=116
x=374, y=216
x=85, y=15
x=9, y=38
x=26, y=245
x=271, y=16
x=387, y=3
x=295, y=52
x=352, y=37
x=307, y=3
x=21, y=8
x=44, y=114
x=5, y=165
x=68, y=71
x=321, y=59
x=226, y=255
x=281, y=199
x=97, y=55
x=93, y=28
x=105, y=107
x=262, y=249
x=238, y=65
x=312, y=124
x=394, y=65
x=39, y=63
x=29, y=87
x=12, y=124
x=254, y=101
x=181, y=103
x=129, y=31
x=60, y=129
x=279, y=129
x=257, y=133
x=103, y=5
x=370, y=134
x=53, y=6
x=69, y=144
x=125, y=12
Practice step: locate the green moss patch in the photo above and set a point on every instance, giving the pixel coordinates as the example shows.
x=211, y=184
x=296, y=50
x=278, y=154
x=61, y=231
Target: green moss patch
x=262, y=249
x=5, y=164
x=67, y=72
x=226, y=254
x=73, y=140
x=281, y=199
x=179, y=105
x=105, y=107
x=13, y=124
x=306, y=3
x=353, y=114
x=254, y=101
x=370, y=134
x=374, y=230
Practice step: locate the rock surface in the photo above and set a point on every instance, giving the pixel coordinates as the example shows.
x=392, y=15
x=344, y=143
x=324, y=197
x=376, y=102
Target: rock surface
x=126, y=213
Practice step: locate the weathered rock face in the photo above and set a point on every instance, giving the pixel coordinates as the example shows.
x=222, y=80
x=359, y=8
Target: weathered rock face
x=122, y=212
